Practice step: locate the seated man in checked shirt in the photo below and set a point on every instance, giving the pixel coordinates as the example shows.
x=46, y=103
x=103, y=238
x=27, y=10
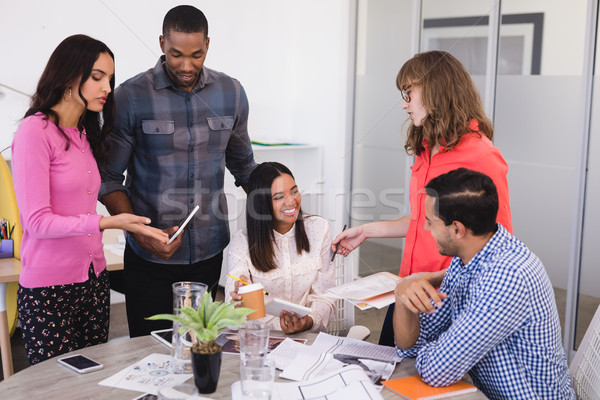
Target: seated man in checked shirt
x=494, y=315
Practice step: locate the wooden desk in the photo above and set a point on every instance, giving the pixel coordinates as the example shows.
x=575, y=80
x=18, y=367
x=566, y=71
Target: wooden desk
x=48, y=380
x=10, y=269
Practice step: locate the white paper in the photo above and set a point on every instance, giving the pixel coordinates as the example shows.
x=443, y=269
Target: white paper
x=375, y=290
x=307, y=365
x=147, y=375
x=286, y=352
x=343, y=345
x=341, y=384
x=345, y=383
x=329, y=353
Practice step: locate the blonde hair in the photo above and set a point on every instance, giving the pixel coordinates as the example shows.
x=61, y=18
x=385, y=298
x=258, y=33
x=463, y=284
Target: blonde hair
x=449, y=97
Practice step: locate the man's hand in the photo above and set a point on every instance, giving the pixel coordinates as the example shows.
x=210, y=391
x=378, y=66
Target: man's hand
x=413, y=296
x=159, y=248
x=290, y=323
x=415, y=292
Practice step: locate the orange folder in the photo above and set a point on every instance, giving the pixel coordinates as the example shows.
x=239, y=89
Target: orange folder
x=413, y=388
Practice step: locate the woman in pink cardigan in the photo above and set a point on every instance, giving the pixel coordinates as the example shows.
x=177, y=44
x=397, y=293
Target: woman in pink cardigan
x=63, y=297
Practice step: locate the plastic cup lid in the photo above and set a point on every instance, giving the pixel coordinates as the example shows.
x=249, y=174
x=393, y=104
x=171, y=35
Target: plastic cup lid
x=250, y=288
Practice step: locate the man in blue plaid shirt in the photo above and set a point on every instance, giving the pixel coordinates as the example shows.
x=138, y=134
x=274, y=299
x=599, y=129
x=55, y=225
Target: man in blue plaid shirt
x=494, y=315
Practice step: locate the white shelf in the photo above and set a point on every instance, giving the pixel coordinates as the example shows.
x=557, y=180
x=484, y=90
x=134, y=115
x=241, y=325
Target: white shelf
x=259, y=147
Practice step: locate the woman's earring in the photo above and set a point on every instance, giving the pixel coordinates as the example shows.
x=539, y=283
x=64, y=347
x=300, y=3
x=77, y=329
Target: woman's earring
x=70, y=93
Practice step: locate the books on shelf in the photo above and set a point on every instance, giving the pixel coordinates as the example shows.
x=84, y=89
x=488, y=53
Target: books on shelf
x=413, y=388
x=375, y=290
x=273, y=142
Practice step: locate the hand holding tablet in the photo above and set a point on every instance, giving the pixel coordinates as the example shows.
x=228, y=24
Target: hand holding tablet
x=188, y=219
x=275, y=306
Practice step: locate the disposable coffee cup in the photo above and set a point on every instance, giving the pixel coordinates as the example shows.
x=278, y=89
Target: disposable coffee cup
x=253, y=298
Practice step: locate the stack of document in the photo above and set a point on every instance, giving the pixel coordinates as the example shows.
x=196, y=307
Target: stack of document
x=342, y=384
x=375, y=290
x=328, y=353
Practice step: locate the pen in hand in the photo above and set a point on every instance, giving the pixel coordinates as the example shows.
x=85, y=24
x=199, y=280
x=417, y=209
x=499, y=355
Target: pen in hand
x=337, y=246
x=244, y=282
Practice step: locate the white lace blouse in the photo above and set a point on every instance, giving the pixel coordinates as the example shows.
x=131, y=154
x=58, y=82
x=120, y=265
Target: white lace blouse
x=298, y=278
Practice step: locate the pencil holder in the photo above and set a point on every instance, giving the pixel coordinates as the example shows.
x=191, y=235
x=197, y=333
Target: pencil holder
x=6, y=248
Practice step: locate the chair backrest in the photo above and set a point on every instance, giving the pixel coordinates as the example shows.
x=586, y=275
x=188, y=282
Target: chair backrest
x=10, y=211
x=585, y=367
x=343, y=318
x=8, y=205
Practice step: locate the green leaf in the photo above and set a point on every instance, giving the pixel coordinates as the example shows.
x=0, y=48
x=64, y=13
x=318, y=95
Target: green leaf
x=191, y=314
x=210, y=310
x=209, y=319
x=206, y=299
x=169, y=317
x=218, y=314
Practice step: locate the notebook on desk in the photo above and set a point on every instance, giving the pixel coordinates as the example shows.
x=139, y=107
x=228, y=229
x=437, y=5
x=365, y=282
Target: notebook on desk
x=413, y=388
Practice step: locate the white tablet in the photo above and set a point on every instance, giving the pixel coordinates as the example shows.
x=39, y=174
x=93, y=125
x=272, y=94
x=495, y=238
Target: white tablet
x=188, y=219
x=275, y=306
x=165, y=336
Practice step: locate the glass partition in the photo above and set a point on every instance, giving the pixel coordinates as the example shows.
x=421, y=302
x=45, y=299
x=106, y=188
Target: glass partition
x=384, y=35
x=538, y=131
x=460, y=28
x=589, y=274
x=538, y=114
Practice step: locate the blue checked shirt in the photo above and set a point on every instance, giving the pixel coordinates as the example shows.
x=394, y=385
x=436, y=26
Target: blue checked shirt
x=175, y=147
x=499, y=323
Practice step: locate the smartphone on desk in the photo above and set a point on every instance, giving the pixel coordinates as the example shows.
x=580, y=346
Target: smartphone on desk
x=188, y=219
x=80, y=363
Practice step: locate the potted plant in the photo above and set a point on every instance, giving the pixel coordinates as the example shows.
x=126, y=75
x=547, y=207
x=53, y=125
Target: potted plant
x=204, y=325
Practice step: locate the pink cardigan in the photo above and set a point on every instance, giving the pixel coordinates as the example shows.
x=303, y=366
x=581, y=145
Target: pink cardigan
x=57, y=192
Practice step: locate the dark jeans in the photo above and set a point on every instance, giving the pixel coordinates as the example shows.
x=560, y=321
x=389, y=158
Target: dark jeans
x=148, y=289
x=387, y=330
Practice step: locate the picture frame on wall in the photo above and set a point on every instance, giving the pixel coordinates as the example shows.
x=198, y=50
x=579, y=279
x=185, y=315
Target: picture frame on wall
x=520, y=45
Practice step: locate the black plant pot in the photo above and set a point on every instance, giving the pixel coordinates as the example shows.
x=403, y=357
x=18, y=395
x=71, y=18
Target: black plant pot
x=207, y=368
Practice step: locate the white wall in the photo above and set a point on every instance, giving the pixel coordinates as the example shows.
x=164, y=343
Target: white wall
x=384, y=37
x=294, y=59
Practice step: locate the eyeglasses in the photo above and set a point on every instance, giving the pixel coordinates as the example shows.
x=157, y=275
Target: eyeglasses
x=405, y=93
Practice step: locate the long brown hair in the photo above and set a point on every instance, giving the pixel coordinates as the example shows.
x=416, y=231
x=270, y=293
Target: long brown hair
x=259, y=217
x=74, y=58
x=449, y=97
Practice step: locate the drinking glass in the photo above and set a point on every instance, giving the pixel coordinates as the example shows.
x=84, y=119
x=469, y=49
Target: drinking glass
x=254, y=344
x=257, y=380
x=185, y=294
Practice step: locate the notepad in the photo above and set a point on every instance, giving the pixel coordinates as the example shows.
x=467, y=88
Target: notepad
x=413, y=388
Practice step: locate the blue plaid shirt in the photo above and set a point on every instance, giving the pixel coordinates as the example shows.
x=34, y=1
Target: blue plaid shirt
x=499, y=323
x=175, y=146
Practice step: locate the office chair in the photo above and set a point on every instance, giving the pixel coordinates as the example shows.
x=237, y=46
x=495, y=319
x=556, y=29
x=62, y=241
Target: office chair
x=585, y=368
x=342, y=323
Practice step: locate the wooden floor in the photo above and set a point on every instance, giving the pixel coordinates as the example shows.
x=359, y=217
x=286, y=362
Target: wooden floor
x=374, y=257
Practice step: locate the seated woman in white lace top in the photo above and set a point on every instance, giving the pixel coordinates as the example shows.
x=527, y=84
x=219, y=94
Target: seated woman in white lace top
x=289, y=253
